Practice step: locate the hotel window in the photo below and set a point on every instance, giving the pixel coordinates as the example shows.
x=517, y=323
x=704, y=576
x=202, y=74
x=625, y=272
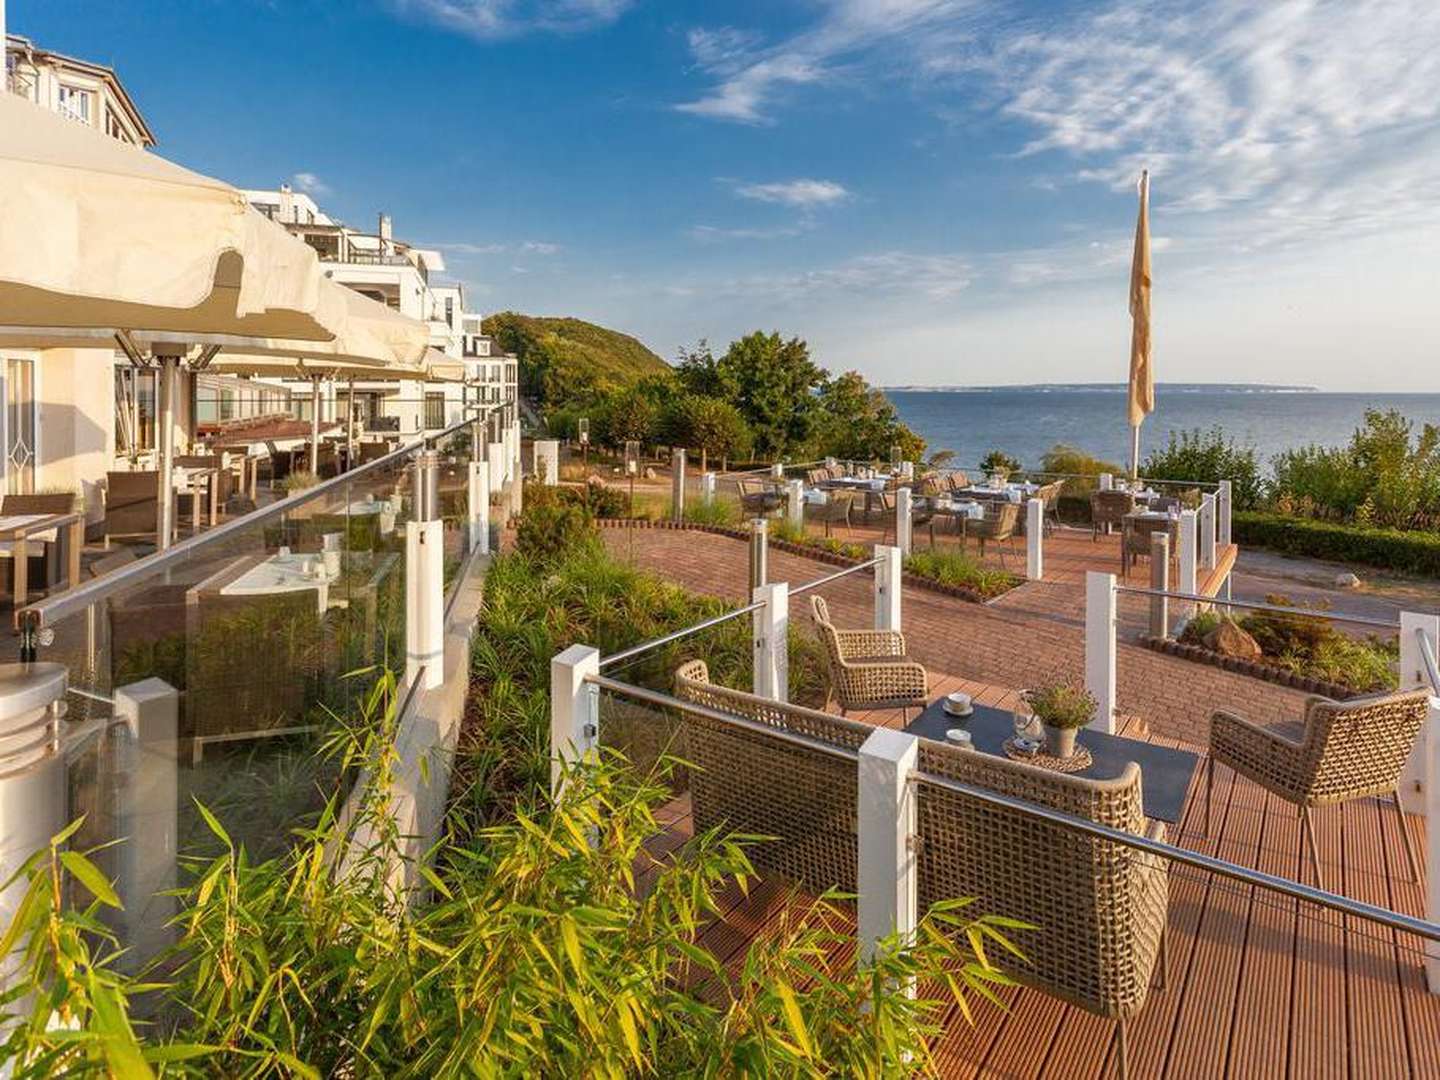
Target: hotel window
x=434, y=411
x=450, y=310
x=75, y=103
x=114, y=128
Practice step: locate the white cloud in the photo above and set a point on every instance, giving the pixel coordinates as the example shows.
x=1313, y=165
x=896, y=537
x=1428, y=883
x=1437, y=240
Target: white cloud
x=802, y=193
x=935, y=277
x=487, y=19
x=710, y=234
x=309, y=183
x=539, y=247
x=527, y=247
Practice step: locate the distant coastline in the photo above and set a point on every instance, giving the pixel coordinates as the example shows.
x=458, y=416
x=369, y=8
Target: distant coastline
x=1114, y=388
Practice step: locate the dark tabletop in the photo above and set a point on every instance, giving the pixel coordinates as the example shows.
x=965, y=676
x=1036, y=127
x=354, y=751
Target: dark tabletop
x=1165, y=773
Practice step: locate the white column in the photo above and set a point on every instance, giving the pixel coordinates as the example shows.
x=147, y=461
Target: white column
x=1107, y=482
x=1189, y=543
x=907, y=470
x=777, y=471
x=574, y=710
x=547, y=461
x=147, y=764
x=886, y=875
x=707, y=488
x=770, y=641
x=1100, y=647
x=1207, y=532
x=1414, y=793
x=1226, y=500
x=425, y=602
x=677, y=484
x=902, y=519
x=795, y=503
x=165, y=518
x=479, y=509
x=888, y=579
x=495, y=463
x=1034, y=539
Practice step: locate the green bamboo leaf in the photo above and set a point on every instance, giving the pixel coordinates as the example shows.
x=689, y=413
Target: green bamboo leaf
x=571, y=940
x=214, y=825
x=794, y=1019
x=628, y=1029
x=89, y=875
x=67, y=832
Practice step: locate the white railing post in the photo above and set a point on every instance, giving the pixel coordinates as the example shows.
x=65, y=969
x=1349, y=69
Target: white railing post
x=547, y=461
x=1100, y=647
x=479, y=508
x=886, y=874
x=795, y=503
x=777, y=471
x=1189, y=545
x=907, y=470
x=1107, y=482
x=1207, y=532
x=495, y=464
x=425, y=602
x=770, y=641
x=149, y=789
x=574, y=710
x=1414, y=793
x=1226, y=501
x=677, y=484
x=707, y=488
x=888, y=579
x=1035, y=539
x=903, y=519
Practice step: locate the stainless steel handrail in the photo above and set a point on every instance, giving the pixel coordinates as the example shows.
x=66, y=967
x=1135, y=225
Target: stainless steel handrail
x=53, y=609
x=1279, y=609
x=654, y=697
x=1395, y=920
x=1427, y=657
x=1408, y=924
x=704, y=624
x=835, y=576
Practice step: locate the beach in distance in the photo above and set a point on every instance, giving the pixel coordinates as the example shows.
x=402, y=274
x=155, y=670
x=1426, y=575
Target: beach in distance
x=1025, y=421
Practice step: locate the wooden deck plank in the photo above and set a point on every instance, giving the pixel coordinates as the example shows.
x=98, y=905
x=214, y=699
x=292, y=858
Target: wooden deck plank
x=1421, y=1009
x=1319, y=1021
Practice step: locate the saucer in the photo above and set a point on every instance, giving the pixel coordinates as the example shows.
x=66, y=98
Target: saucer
x=969, y=710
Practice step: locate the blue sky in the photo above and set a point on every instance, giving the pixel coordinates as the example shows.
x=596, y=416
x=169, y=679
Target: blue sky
x=931, y=191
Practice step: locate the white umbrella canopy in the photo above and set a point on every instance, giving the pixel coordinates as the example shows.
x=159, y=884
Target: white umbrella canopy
x=100, y=236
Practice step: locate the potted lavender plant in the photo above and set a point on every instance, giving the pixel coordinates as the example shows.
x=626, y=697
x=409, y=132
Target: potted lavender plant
x=1062, y=709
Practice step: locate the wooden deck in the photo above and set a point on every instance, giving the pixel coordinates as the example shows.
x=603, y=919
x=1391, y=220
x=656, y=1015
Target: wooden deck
x=1258, y=986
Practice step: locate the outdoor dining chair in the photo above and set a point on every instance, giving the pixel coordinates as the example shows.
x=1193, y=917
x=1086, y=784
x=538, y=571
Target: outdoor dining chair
x=1135, y=534
x=43, y=550
x=1342, y=750
x=869, y=668
x=835, y=510
x=997, y=527
x=1108, y=508
x=757, y=498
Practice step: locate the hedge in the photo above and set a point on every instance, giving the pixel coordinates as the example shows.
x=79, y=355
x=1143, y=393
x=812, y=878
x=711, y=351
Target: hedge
x=1412, y=551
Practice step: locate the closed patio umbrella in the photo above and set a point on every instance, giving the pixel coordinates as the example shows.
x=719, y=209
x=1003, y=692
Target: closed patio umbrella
x=1142, y=373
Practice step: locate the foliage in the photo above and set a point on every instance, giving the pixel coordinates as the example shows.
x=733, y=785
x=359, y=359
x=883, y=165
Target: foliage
x=1061, y=458
x=715, y=512
x=1208, y=457
x=773, y=383
x=699, y=372
x=953, y=567
x=553, y=525
x=1310, y=645
x=596, y=497
x=1386, y=476
x=1409, y=551
x=569, y=360
x=299, y=480
x=630, y=415
x=999, y=461
x=858, y=422
x=708, y=424
x=1062, y=705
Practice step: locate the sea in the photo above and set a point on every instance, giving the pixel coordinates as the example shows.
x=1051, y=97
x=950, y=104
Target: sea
x=1025, y=421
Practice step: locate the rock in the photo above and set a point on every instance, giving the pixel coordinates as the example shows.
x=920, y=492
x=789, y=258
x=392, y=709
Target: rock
x=1229, y=640
x=1347, y=581
x=650, y=472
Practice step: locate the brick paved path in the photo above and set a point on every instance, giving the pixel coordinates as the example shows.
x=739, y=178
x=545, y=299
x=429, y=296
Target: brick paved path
x=1014, y=644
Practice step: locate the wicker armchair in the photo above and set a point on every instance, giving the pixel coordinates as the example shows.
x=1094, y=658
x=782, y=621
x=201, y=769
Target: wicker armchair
x=757, y=498
x=1109, y=508
x=835, y=510
x=1135, y=539
x=957, y=480
x=1108, y=903
x=1343, y=750
x=1049, y=496
x=868, y=668
x=997, y=526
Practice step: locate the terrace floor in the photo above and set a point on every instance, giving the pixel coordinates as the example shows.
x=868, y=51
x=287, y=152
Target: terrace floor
x=1258, y=985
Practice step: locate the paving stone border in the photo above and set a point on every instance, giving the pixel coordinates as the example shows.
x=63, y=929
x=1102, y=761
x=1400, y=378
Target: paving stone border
x=830, y=558
x=1255, y=669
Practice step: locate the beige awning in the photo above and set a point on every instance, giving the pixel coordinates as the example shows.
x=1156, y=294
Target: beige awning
x=440, y=367
x=99, y=236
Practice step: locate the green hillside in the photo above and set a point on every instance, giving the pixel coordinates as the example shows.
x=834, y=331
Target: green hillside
x=567, y=360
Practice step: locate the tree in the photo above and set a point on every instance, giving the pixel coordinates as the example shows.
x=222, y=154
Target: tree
x=857, y=421
x=629, y=415
x=700, y=373
x=709, y=425
x=773, y=384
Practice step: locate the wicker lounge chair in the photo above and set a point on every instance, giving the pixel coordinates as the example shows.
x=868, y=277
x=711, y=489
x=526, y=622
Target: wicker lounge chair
x=1342, y=750
x=868, y=668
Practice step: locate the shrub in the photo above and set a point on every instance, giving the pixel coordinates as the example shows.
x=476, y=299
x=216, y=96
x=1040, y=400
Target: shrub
x=598, y=498
x=707, y=424
x=1409, y=551
x=1067, y=459
x=1200, y=626
x=1208, y=457
x=1063, y=705
x=999, y=461
x=299, y=480
x=957, y=568
x=715, y=512
x=553, y=526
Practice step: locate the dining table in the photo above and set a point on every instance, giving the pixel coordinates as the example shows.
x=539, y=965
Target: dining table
x=22, y=530
x=1166, y=773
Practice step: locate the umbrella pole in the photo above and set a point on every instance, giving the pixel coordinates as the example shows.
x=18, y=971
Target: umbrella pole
x=1135, y=452
x=314, y=425
x=165, y=516
x=350, y=425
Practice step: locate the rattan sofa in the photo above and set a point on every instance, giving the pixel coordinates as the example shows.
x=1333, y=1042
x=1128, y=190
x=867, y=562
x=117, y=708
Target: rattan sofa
x=1100, y=906
x=1341, y=750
